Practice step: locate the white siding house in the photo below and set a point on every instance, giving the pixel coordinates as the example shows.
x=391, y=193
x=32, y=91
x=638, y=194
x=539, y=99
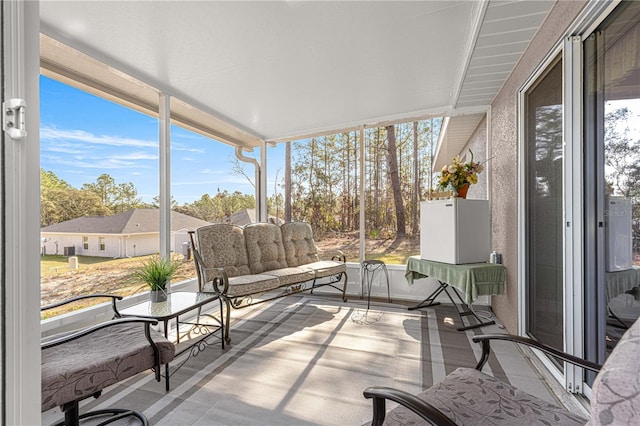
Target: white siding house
x=129, y=234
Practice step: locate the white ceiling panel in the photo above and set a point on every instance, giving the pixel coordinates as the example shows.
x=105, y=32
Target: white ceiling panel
x=275, y=70
x=507, y=27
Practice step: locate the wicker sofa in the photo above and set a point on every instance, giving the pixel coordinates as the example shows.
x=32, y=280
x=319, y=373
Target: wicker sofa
x=240, y=263
x=469, y=397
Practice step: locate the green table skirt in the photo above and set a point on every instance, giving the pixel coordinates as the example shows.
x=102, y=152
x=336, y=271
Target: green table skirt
x=472, y=279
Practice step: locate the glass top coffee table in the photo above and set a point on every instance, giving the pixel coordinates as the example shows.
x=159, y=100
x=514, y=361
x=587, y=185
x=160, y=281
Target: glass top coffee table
x=197, y=332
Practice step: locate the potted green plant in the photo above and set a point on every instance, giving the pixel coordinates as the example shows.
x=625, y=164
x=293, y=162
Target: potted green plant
x=157, y=273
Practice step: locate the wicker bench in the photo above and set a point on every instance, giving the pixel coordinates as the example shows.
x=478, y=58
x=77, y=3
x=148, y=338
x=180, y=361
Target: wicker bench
x=240, y=263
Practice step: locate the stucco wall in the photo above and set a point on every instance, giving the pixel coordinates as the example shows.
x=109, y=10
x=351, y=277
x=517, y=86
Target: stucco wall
x=504, y=146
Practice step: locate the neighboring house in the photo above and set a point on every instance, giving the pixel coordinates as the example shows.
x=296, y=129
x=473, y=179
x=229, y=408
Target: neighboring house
x=247, y=216
x=132, y=233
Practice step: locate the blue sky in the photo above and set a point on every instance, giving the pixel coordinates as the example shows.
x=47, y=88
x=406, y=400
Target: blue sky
x=83, y=136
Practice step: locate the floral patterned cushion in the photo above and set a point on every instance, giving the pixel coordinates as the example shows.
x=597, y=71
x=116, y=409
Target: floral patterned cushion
x=615, y=396
x=292, y=275
x=244, y=285
x=299, y=246
x=327, y=268
x=469, y=397
x=265, y=250
x=223, y=246
x=82, y=367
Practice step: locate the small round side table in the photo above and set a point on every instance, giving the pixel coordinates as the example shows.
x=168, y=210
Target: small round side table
x=367, y=272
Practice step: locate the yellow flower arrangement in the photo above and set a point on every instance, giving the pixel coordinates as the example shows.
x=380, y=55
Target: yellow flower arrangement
x=458, y=173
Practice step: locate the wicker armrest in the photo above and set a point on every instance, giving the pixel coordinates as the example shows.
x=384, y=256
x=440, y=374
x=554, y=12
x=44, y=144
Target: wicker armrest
x=485, y=340
x=419, y=406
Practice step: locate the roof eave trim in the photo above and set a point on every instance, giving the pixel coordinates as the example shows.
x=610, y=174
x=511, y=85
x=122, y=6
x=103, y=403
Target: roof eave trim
x=478, y=18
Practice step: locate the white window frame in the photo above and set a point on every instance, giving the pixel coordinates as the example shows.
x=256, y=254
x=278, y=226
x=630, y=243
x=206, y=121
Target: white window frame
x=20, y=321
x=571, y=48
x=522, y=243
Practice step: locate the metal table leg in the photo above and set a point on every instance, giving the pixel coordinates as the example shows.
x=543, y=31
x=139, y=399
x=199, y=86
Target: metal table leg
x=368, y=269
x=464, y=312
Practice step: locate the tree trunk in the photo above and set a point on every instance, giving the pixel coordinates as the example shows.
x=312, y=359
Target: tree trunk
x=392, y=162
x=346, y=177
x=416, y=181
x=357, y=166
x=287, y=182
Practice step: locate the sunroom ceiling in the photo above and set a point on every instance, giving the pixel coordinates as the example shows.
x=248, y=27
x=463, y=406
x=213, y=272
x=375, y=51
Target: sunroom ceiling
x=274, y=71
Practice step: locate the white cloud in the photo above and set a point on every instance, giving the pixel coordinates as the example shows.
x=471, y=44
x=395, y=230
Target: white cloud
x=51, y=133
x=84, y=150
x=177, y=146
x=65, y=148
x=136, y=156
x=109, y=163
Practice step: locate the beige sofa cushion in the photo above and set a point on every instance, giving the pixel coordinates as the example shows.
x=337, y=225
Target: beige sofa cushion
x=299, y=246
x=265, y=251
x=244, y=285
x=327, y=268
x=292, y=275
x=223, y=246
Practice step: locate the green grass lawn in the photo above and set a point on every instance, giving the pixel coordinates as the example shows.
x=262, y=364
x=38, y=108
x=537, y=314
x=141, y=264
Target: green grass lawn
x=55, y=264
x=95, y=275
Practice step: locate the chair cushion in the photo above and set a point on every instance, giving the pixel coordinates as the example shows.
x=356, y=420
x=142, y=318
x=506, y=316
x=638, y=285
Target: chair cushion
x=222, y=246
x=299, y=246
x=615, y=396
x=78, y=369
x=469, y=397
x=264, y=247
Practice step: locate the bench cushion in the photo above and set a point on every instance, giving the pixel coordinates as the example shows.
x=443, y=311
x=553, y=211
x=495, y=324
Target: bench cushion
x=469, y=397
x=299, y=245
x=84, y=366
x=222, y=246
x=245, y=285
x=615, y=396
x=327, y=268
x=288, y=276
x=265, y=250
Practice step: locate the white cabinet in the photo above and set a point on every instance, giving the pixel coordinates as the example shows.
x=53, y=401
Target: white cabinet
x=455, y=231
x=618, y=233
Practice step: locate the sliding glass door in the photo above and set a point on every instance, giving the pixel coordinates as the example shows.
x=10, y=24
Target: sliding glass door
x=543, y=145
x=612, y=178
